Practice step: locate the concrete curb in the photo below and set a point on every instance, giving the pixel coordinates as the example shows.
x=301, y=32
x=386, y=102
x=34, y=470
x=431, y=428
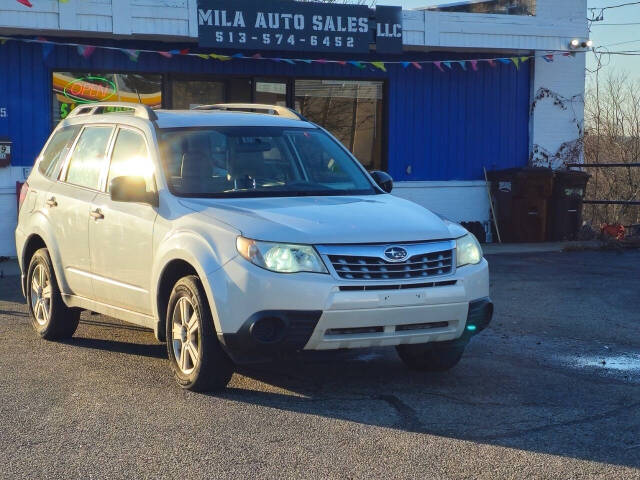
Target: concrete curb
x=551, y=247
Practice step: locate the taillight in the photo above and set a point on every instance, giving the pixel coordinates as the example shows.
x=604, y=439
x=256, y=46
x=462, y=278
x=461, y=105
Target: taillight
x=23, y=195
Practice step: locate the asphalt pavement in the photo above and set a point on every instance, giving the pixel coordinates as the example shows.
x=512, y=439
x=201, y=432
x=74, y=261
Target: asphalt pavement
x=550, y=390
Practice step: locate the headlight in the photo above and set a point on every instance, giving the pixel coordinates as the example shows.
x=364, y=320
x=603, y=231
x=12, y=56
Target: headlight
x=469, y=251
x=281, y=257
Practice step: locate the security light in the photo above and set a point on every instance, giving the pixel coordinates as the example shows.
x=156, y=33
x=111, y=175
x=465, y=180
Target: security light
x=575, y=43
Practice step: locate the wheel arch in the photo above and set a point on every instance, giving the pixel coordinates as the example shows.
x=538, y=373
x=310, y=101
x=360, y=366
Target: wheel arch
x=187, y=255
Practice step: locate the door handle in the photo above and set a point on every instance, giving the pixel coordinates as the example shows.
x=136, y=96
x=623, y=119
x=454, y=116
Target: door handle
x=51, y=202
x=97, y=214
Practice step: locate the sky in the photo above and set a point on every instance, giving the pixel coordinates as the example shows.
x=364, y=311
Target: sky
x=602, y=33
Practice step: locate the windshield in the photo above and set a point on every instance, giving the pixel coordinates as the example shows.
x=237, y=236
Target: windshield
x=258, y=161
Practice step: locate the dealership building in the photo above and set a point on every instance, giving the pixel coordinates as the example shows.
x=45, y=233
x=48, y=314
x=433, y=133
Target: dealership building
x=433, y=96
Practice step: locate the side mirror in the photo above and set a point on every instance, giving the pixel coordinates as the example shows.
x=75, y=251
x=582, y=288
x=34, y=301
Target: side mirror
x=133, y=190
x=383, y=179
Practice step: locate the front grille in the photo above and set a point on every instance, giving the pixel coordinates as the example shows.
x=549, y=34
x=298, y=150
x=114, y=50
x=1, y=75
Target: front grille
x=424, y=265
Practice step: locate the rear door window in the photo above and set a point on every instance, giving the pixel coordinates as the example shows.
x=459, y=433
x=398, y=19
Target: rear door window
x=56, y=151
x=88, y=158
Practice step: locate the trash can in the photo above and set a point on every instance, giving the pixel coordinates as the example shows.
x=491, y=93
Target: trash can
x=521, y=197
x=565, y=218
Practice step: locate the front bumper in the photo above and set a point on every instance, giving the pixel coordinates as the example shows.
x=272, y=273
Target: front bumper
x=320, y=312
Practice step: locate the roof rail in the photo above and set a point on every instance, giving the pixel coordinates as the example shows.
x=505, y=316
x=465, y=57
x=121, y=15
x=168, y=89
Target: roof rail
x=139, y=110
x=276, y=110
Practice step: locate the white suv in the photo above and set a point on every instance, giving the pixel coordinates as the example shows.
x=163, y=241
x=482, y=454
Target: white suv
x=239, y=237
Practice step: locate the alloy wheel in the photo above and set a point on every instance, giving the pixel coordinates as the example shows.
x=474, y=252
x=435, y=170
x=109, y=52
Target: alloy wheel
x=186, y=335
x=41, y=294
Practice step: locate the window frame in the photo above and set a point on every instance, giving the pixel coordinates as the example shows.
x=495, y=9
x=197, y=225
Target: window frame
x=62, y=176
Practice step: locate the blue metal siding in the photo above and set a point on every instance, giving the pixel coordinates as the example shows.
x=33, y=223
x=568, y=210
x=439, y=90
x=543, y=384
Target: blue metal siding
x=445, y=126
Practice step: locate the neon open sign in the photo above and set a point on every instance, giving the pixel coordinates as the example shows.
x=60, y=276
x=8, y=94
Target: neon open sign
x=90, y=89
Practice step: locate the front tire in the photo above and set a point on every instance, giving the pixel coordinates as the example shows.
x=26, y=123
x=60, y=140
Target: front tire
x=198, y=361
x=50, y=317
x=431, y=357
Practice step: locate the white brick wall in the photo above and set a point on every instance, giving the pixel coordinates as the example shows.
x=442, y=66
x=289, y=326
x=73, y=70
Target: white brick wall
x=556, y=131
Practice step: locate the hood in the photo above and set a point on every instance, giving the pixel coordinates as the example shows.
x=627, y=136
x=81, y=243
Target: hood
x=325, y=220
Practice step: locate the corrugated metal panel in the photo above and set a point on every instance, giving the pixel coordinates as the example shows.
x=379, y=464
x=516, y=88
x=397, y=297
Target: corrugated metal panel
x=444, y=125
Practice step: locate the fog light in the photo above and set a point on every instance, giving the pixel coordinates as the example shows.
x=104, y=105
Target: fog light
x=268, y=330
x=472, y=328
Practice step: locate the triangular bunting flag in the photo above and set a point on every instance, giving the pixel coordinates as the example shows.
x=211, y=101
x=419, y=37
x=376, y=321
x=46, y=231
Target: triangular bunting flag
x=238, y=55
x=405, y=64
x=289, y=61
x=132, y=54
x=506, y=61
x=524, y=59
x=166, y=54
x=516, y=62
x=379, y=65
x=548, y=58
x=222, y=58
x=307, y=61
x=439, y=66
x=447, y=64
x=86, y=51
x=341, y=62
x=203, y=56
x=492, y=63
x=357, y=64
x=320, y=60
x=417, y=65
x=474, y=65
x=463, y=64
x=257, y=56
x=47, y=48
x=26, y=3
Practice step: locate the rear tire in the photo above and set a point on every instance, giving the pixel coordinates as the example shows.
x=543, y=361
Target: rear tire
x=431, y=357
x=198, y=361
x=50, y=317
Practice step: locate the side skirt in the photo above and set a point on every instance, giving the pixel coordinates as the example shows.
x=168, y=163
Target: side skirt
x=128, y=316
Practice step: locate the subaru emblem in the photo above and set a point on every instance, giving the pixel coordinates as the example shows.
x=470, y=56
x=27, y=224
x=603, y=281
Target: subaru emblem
x=396, y=254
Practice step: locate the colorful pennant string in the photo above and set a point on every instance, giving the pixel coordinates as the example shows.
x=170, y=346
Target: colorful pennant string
x=86, y=51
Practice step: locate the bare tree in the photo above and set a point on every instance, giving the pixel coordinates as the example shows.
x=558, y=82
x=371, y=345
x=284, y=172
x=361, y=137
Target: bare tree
x=612, y=117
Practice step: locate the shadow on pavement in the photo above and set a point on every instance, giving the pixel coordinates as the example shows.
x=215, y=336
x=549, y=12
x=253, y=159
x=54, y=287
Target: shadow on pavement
x=141, y=350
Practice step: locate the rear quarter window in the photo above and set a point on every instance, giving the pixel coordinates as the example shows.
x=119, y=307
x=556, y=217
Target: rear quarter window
x=56, y=151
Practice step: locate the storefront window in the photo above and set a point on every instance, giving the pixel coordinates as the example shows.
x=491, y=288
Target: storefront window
x=271, y=92
x=350, y=110
x=505, y=7
x=187, y=94
x=73, y=89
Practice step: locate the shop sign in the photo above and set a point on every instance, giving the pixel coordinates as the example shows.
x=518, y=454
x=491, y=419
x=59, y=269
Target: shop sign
x=5, y=151
x=388, y=29
x=90, y=89
x=283, y=25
